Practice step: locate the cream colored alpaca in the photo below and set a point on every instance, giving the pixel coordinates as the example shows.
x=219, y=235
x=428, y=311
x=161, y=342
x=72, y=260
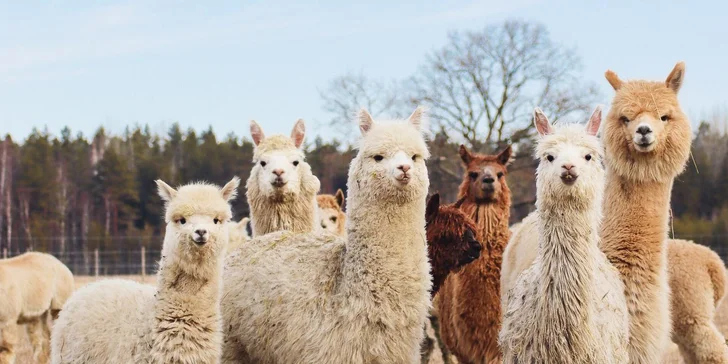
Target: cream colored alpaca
x=32, y=285
x=647, y=142
x=238, y=234
x=569, y=305
x=319, y=298
x=330, y=212
x=120, y=321
x=281, y=188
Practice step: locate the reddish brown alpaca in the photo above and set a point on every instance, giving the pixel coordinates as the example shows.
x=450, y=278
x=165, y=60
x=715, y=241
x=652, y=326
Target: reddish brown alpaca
x=469, y=301
x=451, y=242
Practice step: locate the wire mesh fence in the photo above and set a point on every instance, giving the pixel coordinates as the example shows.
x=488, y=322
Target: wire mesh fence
x=97, y=262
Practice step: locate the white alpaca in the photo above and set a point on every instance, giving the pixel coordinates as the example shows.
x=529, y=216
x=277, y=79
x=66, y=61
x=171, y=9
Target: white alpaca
x=120, y=321
x=320, y=298
x=281, y=188
x=238, y=234
x=32, y=285
x=569, y=305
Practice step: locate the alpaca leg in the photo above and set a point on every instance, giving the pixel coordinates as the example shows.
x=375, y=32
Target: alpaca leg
x=38, y=339
x=702, y=343
x=8, y=342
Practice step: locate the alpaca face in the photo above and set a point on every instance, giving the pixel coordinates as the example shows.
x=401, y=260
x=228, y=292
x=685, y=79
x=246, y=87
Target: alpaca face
x=197, y=218
x=330, y=219
x=647, y=136
x=238, y=231
x=451, y=241
x=570, y=161
x=391, y=158
x=485, y=175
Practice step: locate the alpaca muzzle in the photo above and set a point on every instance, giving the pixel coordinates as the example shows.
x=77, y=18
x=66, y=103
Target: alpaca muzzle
x=569, y=177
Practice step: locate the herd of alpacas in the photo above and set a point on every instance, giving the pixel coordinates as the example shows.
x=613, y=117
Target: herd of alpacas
x=589, y=277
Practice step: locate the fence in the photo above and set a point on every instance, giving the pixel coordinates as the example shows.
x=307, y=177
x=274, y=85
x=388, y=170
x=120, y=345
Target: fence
x=140, y=261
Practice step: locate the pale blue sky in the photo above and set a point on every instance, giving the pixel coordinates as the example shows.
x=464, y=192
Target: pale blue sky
x=85, y=64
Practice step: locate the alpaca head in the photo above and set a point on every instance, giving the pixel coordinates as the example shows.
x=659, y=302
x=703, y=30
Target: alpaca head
x=239, y=230
x=451, y=241
x=646, y=134
x=485, y=176
x=280, y=170
x=196, y=215
x=390, y=165
x=570, y=170
x=330, y=212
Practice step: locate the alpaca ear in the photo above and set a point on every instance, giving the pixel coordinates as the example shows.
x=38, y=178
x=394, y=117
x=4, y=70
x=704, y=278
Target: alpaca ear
x=504, y=157
x=613, y=79
x=365, y=121
x=543, y=126
x=256, y=132
x=592, y=127
x=340, y=198
x=465, y=154
x=166, y=192
x=675, y=79
x=230, y=190
x=298, y=133
x=433, y=205
x=416, y=117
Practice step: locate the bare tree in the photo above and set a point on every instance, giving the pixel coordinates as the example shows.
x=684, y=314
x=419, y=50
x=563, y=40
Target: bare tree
x=484, y=85
x=346, y=94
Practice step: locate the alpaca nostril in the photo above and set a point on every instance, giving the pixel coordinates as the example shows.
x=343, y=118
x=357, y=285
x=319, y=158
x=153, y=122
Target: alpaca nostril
x=201, y=232
x=404, y=167
x=488, y=180
x=567, y=166
x=278, y=172
x=644, y=130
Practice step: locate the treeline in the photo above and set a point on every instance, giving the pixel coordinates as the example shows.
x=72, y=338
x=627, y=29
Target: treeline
x=71, y=193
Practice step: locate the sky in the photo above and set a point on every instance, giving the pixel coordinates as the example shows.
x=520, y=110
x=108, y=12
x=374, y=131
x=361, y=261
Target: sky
x=86, y=64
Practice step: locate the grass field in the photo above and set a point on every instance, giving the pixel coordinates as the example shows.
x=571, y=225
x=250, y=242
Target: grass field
x=25, y=355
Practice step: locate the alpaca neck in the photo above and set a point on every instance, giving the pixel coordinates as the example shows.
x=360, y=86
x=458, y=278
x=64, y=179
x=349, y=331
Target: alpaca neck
x=635, y=217
x=492, y=223
x=387, y=241
x=175, y=285
x=295, y=213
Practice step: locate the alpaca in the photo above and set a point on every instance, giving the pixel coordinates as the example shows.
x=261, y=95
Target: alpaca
x=238, y=233
x=569, y=305
x=330, y=212
x=451, y=242
x=281, y=189
x=121, y=321
x=319, y=298
x=32, y=285
x=647, y=140
x=698, y=285
x=451, y=245
x=697, y=280
x=469, y=301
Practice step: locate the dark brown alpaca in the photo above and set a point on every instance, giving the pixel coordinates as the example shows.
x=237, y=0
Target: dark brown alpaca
x=469, y=301
x=451, y=242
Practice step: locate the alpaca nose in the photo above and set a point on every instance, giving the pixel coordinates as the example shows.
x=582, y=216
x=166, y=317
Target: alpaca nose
x=404, y=167
x=567, y=166
x=488, y=180
x=278, y=172
x=201, y=232
x=644, y=130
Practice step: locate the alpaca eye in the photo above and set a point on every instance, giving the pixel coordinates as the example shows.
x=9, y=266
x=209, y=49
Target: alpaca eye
x=378, y=158
x=624, y=119
x=664, y=118
x=216, y=221
x=588, y=157
x=414, y=157
x=333, y=218
x=262, y=164
x=550, y=158
x=473, y=175
x=182, y=221
x=500, y=174
x=295, y=163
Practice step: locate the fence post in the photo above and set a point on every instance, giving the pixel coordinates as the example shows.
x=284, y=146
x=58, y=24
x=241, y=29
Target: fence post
x=96, y=262
x=144, y=263
x=5, y=253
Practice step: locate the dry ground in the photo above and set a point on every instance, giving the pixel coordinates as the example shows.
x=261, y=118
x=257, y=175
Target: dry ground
x=25, y=356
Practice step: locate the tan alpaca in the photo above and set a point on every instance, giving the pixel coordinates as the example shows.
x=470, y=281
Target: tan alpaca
x=32, y=285
x=238, y=234
x=330, y=212
x=647, y=141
